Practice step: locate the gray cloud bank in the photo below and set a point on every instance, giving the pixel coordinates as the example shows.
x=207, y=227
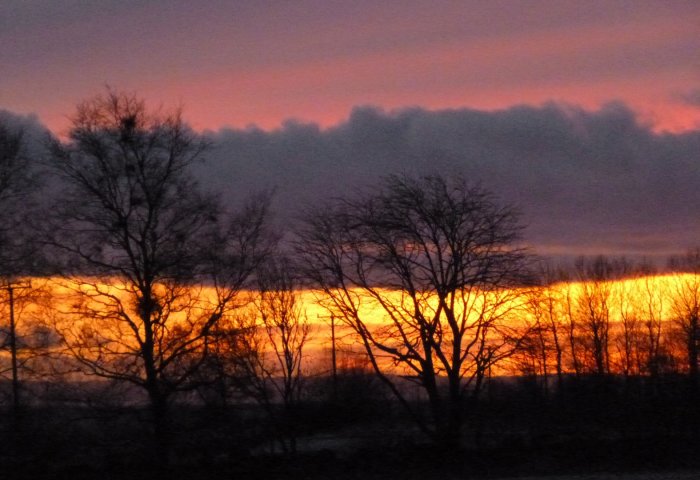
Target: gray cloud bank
x=585, y=181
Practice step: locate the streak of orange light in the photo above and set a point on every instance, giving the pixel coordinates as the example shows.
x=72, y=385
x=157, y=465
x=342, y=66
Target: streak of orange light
x=58, y=294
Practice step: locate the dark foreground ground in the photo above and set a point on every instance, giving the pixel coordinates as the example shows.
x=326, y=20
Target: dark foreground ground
x=635, y=460
x=586, y=432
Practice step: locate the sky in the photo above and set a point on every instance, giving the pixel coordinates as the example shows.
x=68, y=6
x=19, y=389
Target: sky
x=586, y=115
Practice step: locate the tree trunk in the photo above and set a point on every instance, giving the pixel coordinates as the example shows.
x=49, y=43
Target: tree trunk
x=453, y=428
x=692, y=340
x=161, y=429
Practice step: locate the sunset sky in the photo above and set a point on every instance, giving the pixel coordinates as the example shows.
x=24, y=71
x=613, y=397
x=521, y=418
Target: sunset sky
x=584, y=114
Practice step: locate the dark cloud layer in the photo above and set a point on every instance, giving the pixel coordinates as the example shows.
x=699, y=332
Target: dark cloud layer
x=585, y=181
x=34, y=133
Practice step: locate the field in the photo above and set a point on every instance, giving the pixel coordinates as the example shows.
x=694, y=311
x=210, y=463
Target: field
x=366, y=436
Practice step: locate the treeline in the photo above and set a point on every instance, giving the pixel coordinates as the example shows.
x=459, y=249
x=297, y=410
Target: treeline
x=608, y=316
x=165, y=304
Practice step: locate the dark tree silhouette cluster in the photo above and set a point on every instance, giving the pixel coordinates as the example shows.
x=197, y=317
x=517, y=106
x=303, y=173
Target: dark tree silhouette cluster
x=441, y=261
x=140, y=316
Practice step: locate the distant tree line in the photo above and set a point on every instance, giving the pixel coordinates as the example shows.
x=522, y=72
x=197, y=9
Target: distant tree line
x=121, y=268
x=608, y=316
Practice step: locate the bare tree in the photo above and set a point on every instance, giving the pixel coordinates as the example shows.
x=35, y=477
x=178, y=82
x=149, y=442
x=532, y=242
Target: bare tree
x=685, y=305
x=572, y=327
x=553, y=305
x=439, y=262
x=286, y=325
x=546, y=306
x=595, y=305
x=18, y=184
x=140, y=242
x=655, y=294
x=628, y=336
x=259, y=354
x=531, y=358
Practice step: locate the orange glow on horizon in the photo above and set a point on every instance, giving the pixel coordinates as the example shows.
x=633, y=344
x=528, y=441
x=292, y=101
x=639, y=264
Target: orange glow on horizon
x=639, y=297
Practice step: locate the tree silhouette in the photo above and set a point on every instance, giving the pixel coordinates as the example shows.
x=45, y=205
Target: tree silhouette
x=685, y=304
x=18, y=248
x=595, y=304
x=259, y=353
x=150, y=266
x=440, y=260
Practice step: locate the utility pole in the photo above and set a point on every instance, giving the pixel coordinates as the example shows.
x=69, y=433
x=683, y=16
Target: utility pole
x=11, y=287
x=334, y=362
x=334, y=370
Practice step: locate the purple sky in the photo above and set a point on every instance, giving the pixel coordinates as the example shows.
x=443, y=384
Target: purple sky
x=236, y=63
